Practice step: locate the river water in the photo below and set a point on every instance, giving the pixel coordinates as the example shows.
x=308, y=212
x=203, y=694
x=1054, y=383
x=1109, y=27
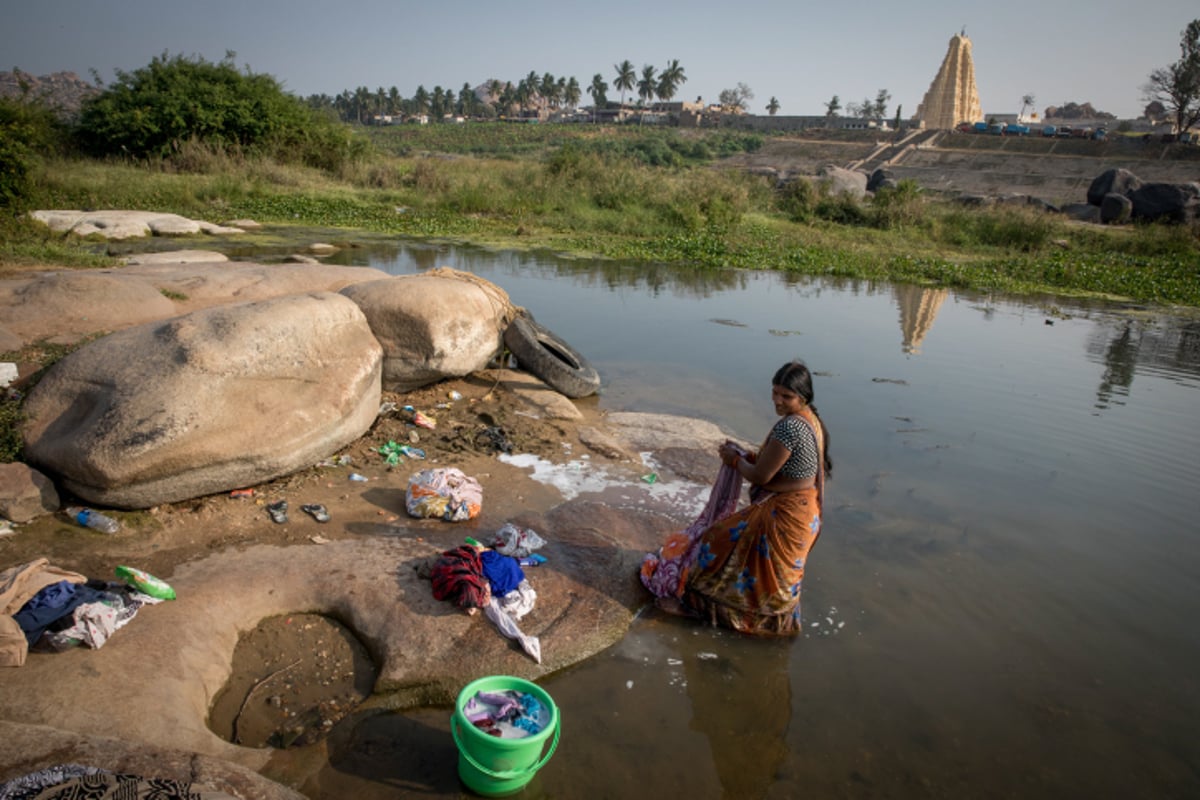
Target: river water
x=1005, y=600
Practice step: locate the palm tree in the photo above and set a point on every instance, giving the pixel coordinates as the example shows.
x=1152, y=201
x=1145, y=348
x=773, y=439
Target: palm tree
x=466, y=100
x=1026, y=102
x=571, y=93
x=421, y=101
x=362, y=99
x=532, y=82
x=647, y=85
x=670, y=79
x=773, y=106
x=626, y=78
x=599, y=92
x=548, y=89
x=523, y=94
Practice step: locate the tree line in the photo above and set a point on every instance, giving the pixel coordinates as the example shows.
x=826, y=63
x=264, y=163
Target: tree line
x=505, y=98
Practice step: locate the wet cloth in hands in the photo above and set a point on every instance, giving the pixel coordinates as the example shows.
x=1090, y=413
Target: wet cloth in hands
x=665, y=573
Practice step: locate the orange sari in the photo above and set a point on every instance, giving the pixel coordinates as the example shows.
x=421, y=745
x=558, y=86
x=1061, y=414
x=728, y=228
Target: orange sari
x=748, y=567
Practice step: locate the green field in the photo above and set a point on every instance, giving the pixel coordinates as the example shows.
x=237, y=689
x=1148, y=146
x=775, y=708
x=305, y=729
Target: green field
x=626, y=193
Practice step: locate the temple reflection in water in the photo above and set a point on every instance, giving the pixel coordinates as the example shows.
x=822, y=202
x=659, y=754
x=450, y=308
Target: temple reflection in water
x=918, y=308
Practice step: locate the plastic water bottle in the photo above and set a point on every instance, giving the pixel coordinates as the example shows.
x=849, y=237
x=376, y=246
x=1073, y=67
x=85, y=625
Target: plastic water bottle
x=93, y=519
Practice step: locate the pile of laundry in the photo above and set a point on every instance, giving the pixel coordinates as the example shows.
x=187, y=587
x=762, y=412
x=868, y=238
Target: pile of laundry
x=490, y=576
x=45, y=607
x=443, y=493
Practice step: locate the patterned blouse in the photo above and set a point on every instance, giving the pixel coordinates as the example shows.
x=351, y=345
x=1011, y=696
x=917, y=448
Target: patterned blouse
x=795, y=434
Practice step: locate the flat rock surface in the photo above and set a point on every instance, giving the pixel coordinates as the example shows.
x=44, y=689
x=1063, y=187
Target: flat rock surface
x=572, y=473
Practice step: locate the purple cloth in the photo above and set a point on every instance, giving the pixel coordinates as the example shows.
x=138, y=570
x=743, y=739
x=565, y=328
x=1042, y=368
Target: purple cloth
x=660, y=574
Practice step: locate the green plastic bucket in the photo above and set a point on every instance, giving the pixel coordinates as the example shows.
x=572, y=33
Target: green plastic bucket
x=494, y=766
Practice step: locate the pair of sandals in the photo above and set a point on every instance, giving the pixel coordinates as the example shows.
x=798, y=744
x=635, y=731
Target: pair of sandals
x=278, y=511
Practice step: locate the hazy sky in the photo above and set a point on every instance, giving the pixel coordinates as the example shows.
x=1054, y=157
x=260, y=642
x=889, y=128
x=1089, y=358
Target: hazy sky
x=803, y=53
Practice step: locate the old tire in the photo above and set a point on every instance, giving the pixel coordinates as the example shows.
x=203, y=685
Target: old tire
x=542, y=354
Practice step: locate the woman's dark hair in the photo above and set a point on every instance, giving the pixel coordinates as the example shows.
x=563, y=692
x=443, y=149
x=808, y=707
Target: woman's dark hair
x=796, y=377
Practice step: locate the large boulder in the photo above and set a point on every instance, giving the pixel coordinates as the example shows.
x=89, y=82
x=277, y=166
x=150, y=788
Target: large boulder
x=842, y=181
x=109, y=224
x=72, y=304
x=1112, y=181
x=435, y=325
x=1115, y=209
x=1176, y=202
x=206, y=402
x=69, y=305
x=881, y=179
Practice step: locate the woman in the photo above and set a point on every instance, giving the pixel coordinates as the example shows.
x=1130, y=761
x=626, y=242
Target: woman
x=742, y=569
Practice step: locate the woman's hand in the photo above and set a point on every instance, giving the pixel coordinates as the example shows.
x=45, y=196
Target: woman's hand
x=729, y=453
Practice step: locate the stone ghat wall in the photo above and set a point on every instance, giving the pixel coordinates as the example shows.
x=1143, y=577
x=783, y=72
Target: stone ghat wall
x=1058, y=172
x=1055, y=170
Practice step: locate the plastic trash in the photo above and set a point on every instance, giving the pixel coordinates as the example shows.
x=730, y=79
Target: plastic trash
x=146, y=583
x=535, y=560
x=354, y=476
x=514, y=540
x=93, y=519
x=391, y=453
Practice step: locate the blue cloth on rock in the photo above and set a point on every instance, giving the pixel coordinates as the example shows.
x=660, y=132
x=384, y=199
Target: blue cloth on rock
x=503, y=572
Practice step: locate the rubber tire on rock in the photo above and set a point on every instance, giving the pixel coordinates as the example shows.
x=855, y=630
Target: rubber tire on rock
x=542, y=354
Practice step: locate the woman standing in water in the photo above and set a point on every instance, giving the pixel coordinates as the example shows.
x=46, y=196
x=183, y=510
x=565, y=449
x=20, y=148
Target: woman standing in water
x=743, y=569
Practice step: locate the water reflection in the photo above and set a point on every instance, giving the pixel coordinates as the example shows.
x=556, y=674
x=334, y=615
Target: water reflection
x=1010, y=539
x=918, y=309
x=742, y=702
x=656, y=279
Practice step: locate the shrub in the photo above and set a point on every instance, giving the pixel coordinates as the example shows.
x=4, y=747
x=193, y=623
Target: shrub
x=842, y=208
x=27, y=130
x=798, y=199
x=898, y=206
x=157, y=110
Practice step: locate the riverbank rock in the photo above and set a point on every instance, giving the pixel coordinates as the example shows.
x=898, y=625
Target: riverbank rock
x=1113, y=181
x=65, y=306
x=125, y=224
x=1115, y=209
x=844, y=181
x=206, y=402
x=31, y=748
x=176, y=257
x=25, y=493
x=1176, y=202
x=69, y=305
x=435, y=325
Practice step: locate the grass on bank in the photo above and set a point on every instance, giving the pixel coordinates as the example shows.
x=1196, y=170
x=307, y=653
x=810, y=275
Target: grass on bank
x=654, y=195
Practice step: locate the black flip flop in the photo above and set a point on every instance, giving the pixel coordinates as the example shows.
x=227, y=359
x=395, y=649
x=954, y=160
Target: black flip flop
x=317, y=511
x=278, y=511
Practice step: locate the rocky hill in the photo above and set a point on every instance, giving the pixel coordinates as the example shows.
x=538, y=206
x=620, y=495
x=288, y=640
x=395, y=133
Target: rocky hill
x=62, y=91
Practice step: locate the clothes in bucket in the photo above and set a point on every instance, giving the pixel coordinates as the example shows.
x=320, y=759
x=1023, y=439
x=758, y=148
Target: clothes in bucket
x=501, y=725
